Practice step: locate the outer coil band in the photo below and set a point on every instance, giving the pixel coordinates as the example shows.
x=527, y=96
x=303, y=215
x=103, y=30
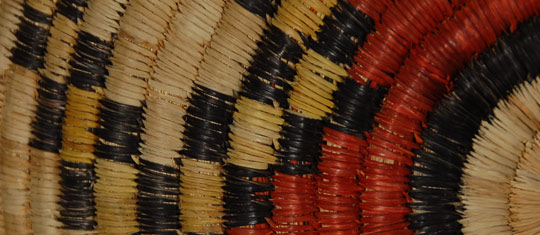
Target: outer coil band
x=226, y=109
x=85, y=81
x=320, y=69
x=437, y=138
x=127, y=191
x=438, y=69
x=20, y=83
x=264, y=94
x=477, y=183
x=45, y=162
x=522, y=197
x=167, y=102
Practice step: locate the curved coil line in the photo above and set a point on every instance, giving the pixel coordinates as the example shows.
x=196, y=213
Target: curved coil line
x=109, y=97
x=377, y=44
x=175, y=68
x=85, y=84
x=141, y=32
x=319, y=71
x=9, y=22
x=492, y=163
x=259, y=115
x=456, y=119
x=347, y=123
x=19, y=109
x=391, y=143
x=46, y=127
x=232, y=46
x=211, y=91
x=524, y=191
x=402, y=26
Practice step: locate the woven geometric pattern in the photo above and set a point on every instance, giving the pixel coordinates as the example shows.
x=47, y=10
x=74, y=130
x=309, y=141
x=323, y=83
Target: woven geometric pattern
x=269, y=117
